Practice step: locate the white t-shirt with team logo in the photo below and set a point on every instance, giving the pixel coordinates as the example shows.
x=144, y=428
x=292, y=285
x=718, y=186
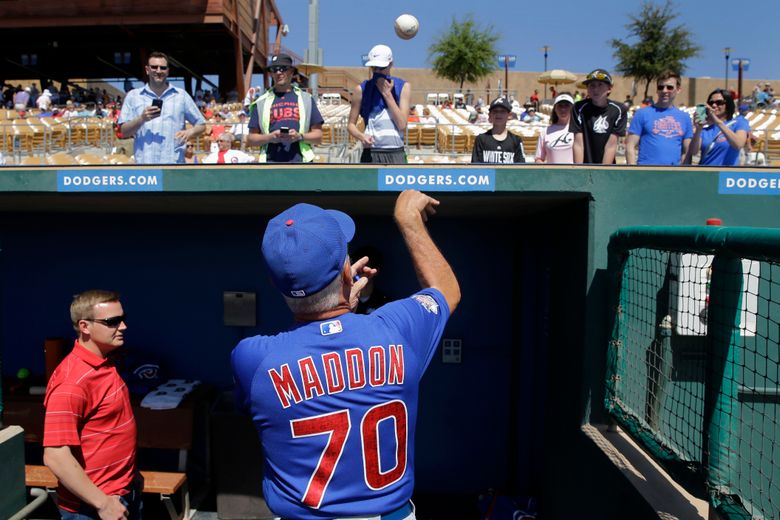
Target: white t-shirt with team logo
x=556, y=145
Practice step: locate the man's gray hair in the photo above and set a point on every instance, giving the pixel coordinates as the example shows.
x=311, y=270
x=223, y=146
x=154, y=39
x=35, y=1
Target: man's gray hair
x=321, y=301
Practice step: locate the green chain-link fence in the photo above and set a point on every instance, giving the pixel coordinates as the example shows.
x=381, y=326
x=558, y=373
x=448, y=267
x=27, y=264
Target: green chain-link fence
x=694, y=358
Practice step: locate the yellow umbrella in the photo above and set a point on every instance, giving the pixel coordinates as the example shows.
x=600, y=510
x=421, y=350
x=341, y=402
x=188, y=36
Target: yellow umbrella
x=557, y=77
x=307, y=69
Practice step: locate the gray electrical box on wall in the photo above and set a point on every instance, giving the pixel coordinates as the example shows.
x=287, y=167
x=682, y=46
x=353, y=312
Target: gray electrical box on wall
x=451, y=350
x=240, y=308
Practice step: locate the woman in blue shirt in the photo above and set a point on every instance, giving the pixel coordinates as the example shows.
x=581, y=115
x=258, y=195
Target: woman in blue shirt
x=720, y=136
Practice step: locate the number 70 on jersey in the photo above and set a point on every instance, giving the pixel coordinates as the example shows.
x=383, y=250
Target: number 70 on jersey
x=337, y=426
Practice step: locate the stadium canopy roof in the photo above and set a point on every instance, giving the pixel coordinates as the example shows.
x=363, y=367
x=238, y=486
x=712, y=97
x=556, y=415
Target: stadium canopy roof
x=95, y=39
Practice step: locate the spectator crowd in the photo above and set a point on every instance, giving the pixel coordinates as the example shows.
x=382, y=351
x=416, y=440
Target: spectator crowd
x=284, y=122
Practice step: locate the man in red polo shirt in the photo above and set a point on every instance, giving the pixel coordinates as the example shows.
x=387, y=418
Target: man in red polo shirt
x=89, y=433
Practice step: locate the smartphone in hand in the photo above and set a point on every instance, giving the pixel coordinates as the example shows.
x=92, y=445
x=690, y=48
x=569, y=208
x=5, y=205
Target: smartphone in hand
x=701, y=112
x=284, y=130
x=157, y=103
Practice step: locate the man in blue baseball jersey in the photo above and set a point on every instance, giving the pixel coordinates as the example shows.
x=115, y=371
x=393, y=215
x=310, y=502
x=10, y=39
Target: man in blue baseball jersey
x=334, y=399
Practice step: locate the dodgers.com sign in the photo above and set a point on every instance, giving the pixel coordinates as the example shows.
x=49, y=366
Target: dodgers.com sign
x=466, y=179
x=749, y=183
x=109, y=180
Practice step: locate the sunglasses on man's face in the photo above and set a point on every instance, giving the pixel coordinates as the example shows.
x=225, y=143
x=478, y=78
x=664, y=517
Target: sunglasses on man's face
x=112, y=322
x=280, y=68
x=158, y=67
x=665, y=87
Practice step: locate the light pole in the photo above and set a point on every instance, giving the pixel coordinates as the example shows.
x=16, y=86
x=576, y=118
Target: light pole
x=727, y=51
x=545, y=49
x=314, y=54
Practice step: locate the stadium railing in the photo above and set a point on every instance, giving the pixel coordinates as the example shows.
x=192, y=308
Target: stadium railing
x=693, y=370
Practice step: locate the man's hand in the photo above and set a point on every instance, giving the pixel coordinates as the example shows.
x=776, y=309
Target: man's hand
x=385, y=87
x=150, y=112
x=361, y=274
x=113, y=509
x=293, y=136
x=183, y=136
x=413, y=203
x=277, y=136
x=68, y=470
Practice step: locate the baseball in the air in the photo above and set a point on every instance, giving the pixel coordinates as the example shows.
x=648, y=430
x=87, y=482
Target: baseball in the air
x=406, y=26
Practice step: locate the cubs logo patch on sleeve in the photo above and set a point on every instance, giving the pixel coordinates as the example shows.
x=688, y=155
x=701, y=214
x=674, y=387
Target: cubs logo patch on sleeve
x=331, y=327
x=427, y=302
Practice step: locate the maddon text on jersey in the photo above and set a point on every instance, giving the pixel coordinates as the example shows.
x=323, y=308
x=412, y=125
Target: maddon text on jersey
x=338, y=371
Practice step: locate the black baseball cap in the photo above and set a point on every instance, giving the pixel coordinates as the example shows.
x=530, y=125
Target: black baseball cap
x=281, y=60
x=501, y=102
x=598, y=75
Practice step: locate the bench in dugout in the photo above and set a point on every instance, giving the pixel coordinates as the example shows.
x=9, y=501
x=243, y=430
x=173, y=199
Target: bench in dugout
x=165, y=484
x=155, y=432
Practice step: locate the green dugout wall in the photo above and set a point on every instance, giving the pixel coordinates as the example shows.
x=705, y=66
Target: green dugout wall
x=528, y=243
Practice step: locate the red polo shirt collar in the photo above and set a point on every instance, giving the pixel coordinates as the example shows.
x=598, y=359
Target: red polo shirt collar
x=88, y=357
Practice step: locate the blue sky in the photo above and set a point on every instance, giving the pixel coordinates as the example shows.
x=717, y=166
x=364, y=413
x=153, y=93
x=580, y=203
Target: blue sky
x=577, y=32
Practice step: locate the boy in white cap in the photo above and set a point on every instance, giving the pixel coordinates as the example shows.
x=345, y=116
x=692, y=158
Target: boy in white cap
x=383, y=102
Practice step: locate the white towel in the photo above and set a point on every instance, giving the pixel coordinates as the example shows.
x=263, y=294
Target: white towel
x=169, y=395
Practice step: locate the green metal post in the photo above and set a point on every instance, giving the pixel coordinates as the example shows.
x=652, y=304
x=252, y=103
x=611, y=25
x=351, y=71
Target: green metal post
x=721, y=407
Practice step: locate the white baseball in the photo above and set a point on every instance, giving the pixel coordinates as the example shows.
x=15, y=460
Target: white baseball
x=406, y=26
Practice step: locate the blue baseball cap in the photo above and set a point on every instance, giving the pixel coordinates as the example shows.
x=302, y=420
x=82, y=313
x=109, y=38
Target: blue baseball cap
x=305, y=247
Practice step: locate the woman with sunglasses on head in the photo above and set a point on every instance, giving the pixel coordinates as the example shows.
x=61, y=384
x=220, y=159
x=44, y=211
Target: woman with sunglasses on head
x=720, y=136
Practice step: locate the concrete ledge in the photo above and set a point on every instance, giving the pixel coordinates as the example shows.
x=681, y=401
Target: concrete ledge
x=663, y=494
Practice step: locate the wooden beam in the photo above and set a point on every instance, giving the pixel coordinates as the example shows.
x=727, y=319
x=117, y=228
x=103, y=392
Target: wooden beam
x=162, y=19
x=250, y=67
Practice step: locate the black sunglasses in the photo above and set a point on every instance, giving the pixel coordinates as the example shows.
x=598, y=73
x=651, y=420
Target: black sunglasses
x=718, y=102
x=112, y=322
x=280, y=68
x=158, y=67
x=666, y=87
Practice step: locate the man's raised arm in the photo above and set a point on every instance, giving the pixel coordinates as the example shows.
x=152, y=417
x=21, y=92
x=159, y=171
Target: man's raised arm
x=412, y=210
